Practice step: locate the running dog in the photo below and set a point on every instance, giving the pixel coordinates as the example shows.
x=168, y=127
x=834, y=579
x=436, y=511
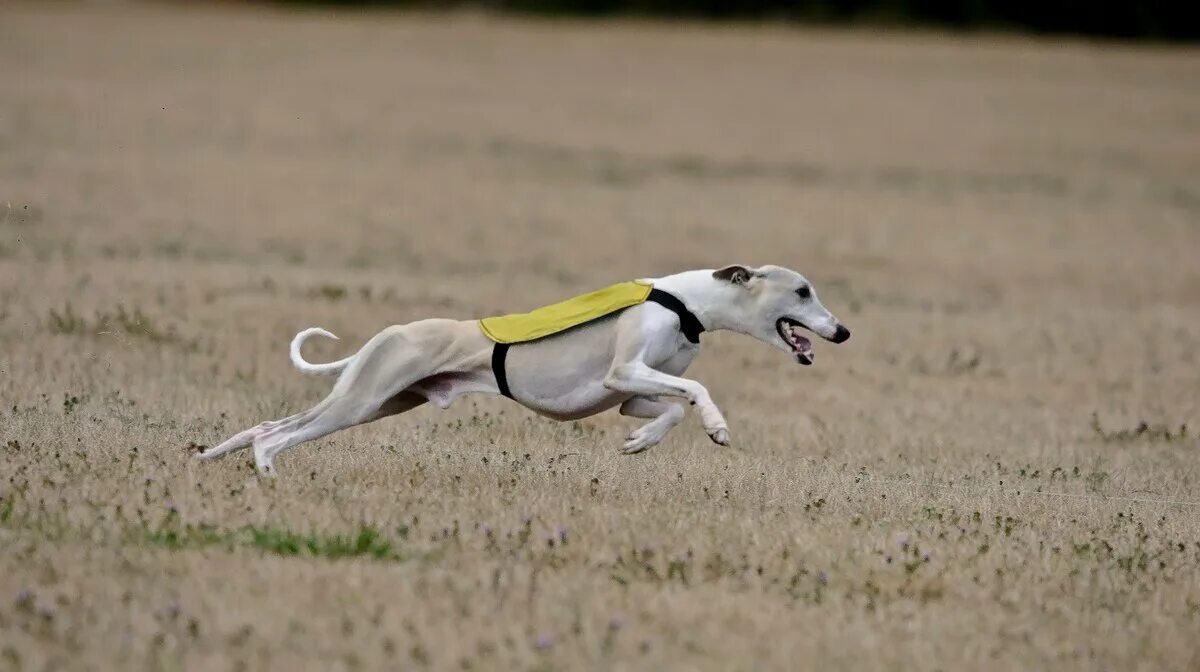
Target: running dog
x=630, y=357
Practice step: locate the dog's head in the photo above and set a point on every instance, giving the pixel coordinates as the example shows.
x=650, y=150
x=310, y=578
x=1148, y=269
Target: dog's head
x=772, y=304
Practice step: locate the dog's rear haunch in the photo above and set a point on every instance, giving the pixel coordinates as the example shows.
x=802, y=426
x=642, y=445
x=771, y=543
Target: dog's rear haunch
x=628, y=353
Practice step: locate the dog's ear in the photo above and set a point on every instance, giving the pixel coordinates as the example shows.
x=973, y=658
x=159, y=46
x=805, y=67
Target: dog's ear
x=736, y=274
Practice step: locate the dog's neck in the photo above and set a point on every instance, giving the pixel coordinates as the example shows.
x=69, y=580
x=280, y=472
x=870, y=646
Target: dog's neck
x=711, y=300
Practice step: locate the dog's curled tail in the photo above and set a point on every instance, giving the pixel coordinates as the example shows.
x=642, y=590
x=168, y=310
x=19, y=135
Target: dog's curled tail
x=315, y=369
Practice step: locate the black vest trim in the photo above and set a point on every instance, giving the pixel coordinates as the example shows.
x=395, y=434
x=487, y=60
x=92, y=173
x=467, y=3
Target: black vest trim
x=689, y=324
x=499, y=352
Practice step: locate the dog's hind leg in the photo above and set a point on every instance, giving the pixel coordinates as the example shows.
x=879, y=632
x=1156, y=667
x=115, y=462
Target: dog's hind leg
x=665, y=416
x=374, y=385
x=260, y=432
x=243, y=439
x=398, y=369
x=324, y=419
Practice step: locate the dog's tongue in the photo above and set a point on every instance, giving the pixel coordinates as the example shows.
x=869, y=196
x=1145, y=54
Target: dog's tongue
x=802, y=344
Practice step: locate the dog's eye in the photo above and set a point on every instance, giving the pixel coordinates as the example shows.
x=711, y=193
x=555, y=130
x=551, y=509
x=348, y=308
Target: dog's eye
x=804, y=292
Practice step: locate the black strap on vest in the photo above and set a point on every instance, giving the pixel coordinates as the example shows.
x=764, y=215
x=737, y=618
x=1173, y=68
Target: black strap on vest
x=689, y=324
x=499, y=352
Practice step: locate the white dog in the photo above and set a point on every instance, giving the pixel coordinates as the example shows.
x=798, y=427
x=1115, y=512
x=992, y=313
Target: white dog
x=629, y=357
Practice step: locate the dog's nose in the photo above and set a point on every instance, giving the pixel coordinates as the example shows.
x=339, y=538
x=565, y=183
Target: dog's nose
x=841, y=335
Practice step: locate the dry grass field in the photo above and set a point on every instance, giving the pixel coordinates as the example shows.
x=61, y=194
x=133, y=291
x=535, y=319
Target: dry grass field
x=999, y=471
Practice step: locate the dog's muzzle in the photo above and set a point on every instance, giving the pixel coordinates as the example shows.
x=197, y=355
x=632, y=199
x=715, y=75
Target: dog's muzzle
x=841, y=335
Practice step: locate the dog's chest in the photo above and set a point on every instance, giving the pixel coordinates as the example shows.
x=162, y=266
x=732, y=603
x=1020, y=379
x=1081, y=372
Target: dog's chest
x=676, y=359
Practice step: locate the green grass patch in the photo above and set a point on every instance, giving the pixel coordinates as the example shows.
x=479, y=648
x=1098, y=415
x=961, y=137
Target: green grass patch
x=122, y=321
x=66, y=321
x=366, y=542
x=186, y=537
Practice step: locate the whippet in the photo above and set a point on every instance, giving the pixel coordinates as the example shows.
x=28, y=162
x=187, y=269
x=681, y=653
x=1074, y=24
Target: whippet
x=629, y=358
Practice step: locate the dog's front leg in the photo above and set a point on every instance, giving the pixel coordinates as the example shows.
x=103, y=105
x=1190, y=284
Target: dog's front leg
x=638, y=378
x=665, y=416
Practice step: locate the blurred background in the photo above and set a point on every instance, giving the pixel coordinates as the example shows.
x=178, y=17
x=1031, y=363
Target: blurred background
x=1153, y=19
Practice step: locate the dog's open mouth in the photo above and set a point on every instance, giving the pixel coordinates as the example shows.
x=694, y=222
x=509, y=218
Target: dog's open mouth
x=789, y=331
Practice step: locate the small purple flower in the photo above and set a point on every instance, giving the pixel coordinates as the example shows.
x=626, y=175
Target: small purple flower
x=561, y=533
x=902, y=539
x=487, y=531
x=927, y=557
x=45, y=611
x=24, y=597
x=174, y=608
x=822, y=577
x=616, y=623
x=544, y=641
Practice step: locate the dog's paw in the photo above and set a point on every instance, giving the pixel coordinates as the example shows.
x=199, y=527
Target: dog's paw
x=639, y=440
x=720, y=436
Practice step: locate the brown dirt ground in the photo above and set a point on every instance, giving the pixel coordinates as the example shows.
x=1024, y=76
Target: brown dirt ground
x=1010, y=226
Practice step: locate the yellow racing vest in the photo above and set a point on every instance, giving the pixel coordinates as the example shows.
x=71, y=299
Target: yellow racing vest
x=561, y=316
